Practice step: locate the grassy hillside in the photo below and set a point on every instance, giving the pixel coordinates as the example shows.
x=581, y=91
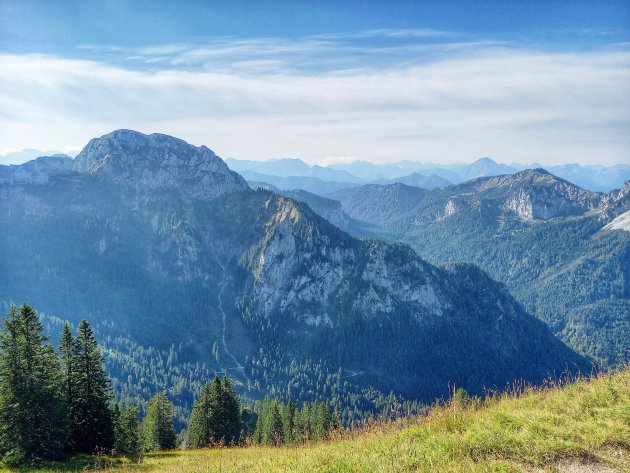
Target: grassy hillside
x=584, y=426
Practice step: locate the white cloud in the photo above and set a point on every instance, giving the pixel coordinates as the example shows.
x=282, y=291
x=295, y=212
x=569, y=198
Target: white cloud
x=510, y=104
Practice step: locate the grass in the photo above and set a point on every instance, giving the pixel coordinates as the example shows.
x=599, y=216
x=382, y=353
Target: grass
x=579, y=425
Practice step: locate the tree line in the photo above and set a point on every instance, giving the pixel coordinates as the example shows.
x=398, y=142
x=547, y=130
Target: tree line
x=58, y=402
x=285, y=423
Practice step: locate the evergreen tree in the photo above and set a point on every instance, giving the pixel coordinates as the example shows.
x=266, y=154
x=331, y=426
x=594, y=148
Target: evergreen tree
x=33, y=415
x=320, y=420
x=199, y=432
x=126, y=434
x=216, y=418
x=216, y=415
x=67, y=354
x=305, y=423
x=336, y=424
x=91, y=420
x=288, y=422
x=231, y=412
x=269, y=428
x=158, y=432
x=273, y=430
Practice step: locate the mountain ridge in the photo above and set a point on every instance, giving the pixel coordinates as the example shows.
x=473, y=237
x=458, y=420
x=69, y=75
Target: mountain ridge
x=595, y=178
x=552, y=242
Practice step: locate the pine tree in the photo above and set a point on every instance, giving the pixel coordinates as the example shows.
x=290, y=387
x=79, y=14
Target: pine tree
x=269, y=425
x=216, y=418
x=199, y=433
x=126, y=434
x=231, y=412
x=91, y=420
x=288, y=422
x=33, y=415
x=274, y=427
x=336, y=423
x=320, y=420
x=158, y=432
x=305, y=423
x=67, y=354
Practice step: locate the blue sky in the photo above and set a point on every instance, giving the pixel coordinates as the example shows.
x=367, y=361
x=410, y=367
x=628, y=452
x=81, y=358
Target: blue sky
x=325, y=81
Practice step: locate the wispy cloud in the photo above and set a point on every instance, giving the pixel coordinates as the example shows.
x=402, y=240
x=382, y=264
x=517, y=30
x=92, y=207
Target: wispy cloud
x=324, y=53
x=447, y=100
x=391, y=33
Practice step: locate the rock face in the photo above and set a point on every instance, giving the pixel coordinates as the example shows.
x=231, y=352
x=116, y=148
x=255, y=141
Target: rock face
x=620, y=223
x=301, y=268
x=539, y=195
x=150, y=162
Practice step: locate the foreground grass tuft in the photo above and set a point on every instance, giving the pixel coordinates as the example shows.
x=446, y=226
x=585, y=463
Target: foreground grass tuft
x=583, y=426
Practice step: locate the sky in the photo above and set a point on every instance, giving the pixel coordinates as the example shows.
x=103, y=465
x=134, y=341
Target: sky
x=325, y=81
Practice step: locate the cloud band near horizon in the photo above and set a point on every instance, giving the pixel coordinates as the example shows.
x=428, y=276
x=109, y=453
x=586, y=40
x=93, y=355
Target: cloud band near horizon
x=490, y=100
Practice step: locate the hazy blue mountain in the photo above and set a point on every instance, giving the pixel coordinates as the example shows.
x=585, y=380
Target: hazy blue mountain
x=292, y=168
x=38, y=170
x=276, y=167
x=184, y=271
x=483, y=167
x=21, y=157
x=554, y=244
x=456, y=173
x=594, y=178
x=372, y=171
x=255, y=185
x=417, y=180
x=310, y=184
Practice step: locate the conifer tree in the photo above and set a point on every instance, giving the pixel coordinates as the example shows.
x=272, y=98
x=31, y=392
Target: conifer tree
x=216, y=418
x=33, y=415
x=273, y=429
x=305, y=423
x=336, y=422
x=91, y=420
x=320, y=420
x=231, y=412
x=126, y=434
x=269, y=429
x=288, y=422
x=157, y=428
x=216, y=415
x=67, y=354
x=199, y=433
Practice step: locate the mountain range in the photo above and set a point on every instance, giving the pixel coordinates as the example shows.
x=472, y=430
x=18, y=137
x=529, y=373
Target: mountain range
x=292, y=173
x=563, y=251
x=185, y=270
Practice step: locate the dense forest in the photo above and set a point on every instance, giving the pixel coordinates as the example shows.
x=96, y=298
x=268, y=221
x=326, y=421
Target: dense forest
x=59, y=401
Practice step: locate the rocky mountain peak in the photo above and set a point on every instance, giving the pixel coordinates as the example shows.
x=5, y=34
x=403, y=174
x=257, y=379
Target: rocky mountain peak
x=538, y=194
x=158, y=161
